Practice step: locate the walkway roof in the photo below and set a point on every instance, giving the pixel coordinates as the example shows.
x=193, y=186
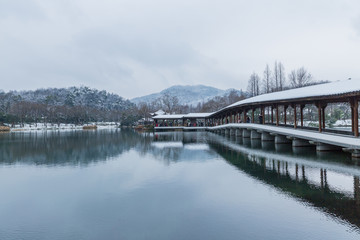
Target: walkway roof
x=185, y=116
x=304, y=93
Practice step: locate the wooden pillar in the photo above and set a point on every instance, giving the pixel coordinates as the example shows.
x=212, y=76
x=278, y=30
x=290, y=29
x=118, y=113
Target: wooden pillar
x=323, y=116
x=253, y=115
x=277, y=115
x=272, y=114
x=319, y=113
x=302, y=115
x=295, y=118
x=355, y=116
x=244, y=116
x=263, y=115
x=352, y=115
x=285, y=109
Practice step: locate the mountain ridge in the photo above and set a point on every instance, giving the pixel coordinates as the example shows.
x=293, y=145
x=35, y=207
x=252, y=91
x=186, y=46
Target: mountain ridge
x=187, y=94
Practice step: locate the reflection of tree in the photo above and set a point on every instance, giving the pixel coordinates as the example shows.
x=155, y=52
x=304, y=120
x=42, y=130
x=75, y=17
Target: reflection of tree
x=62, y=148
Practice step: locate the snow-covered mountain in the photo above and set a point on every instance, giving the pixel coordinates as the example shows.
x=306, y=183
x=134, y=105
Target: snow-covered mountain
x=190, y=95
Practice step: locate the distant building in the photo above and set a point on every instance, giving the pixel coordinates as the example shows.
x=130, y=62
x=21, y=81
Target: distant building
x=158, y=112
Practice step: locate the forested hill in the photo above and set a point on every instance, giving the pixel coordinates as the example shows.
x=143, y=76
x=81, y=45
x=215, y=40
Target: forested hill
x=69, y=105
x=73, y=96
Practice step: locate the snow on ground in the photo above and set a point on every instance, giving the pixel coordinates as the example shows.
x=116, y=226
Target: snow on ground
x=61, y=126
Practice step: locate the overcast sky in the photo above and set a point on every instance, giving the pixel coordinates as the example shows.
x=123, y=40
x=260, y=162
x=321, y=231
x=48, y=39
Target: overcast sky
x=137, y=47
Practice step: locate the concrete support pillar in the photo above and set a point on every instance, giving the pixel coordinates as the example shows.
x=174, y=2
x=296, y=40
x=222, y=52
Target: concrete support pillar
x=255, y=135
x=227, y=132
x=238, y=132
x=246, y=133
x=265, y=136
x=281, y=139
x=232, y=132
x=222, y=131
x=355, y=154
x=296, y=142
x=321, y=147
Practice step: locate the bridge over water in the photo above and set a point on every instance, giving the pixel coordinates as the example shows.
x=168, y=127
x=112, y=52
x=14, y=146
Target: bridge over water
x=279, y=117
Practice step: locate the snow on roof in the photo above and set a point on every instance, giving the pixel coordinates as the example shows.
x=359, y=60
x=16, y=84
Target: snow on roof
x=327, y=89
x=173, y=116
x=178, y=116
x=197, y=115
x=159, y=112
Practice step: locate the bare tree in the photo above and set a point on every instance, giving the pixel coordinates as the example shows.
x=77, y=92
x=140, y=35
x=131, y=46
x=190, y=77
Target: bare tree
x=282, y=77
x=279, y=77
x=300, y=78
x=267, y=84
x=170, y=103
x=253, y=85
x=275, y=78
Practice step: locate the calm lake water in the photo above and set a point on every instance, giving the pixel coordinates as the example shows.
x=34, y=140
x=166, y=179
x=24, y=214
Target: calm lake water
x=118, y=184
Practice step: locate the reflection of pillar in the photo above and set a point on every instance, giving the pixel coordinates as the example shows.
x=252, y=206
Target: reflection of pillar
x=322, y=178
x=303, y=172
x=297, y=172
x=278, y=167
x=273, y=163
x=325, y=179
x=357, y=190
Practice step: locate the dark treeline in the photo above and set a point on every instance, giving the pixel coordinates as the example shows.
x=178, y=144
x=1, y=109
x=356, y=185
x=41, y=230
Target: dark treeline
x=64, y=105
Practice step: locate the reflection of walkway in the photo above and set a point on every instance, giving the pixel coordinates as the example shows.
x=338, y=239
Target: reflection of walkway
x=292, y=179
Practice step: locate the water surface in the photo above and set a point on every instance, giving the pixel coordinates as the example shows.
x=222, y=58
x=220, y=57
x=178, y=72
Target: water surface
x=124, y=185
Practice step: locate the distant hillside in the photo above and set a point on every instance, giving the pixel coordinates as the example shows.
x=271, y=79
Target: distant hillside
x=73, y=96
x=190, y=95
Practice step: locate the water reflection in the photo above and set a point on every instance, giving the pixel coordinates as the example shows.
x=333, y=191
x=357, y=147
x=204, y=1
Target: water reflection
x=302, y=173
x=65, y=148
x=329, y=182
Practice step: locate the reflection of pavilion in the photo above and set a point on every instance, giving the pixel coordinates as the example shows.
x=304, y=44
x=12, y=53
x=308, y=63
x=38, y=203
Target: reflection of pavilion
x=308, y=183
